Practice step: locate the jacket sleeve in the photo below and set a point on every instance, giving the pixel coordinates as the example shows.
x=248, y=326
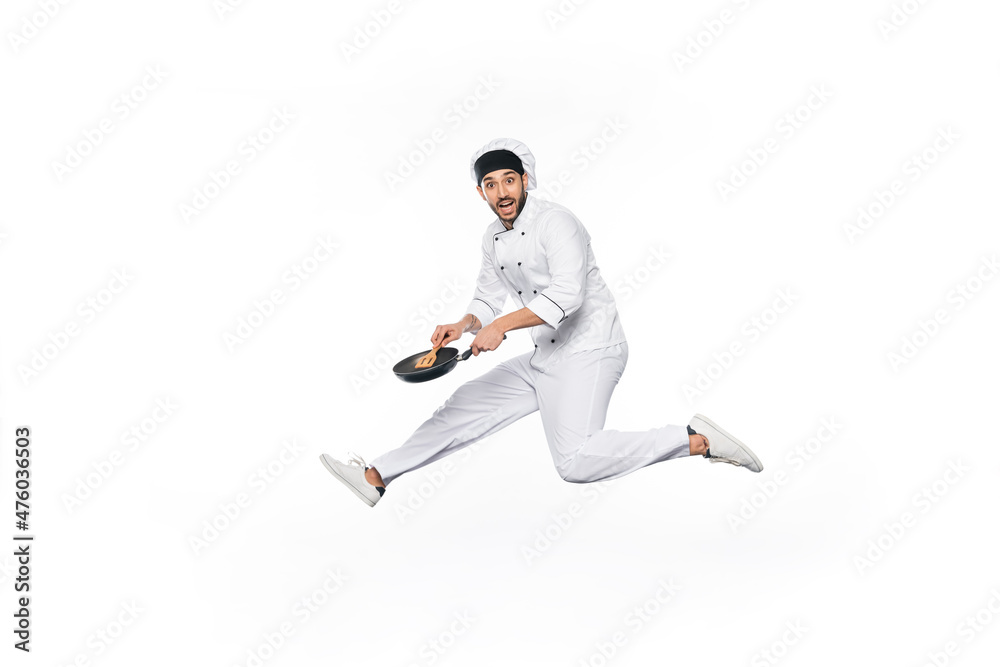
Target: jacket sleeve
x=491, y=293
x=564, y=241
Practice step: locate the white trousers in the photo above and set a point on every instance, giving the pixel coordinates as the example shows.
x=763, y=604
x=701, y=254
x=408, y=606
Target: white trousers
x=572, y=398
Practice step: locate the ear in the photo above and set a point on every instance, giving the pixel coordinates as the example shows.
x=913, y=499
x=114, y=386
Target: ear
x=524, y=180
x=479, y=189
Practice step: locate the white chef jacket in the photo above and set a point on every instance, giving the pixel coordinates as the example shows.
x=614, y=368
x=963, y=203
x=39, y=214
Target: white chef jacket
x=545, y=263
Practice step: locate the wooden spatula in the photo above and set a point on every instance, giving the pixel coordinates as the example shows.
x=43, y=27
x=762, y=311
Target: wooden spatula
x=428, y=359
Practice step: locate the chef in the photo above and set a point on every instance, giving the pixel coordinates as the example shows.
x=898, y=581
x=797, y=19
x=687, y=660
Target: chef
x=539, y=254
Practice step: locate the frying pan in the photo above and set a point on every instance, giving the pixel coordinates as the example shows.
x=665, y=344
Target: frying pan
x=447, y=359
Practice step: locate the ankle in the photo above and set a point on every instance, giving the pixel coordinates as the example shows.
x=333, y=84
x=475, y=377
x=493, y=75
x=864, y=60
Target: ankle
x=698, y=444
x=373, y=477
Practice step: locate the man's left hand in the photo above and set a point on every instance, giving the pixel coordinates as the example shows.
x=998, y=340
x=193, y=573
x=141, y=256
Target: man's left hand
x=488, y=338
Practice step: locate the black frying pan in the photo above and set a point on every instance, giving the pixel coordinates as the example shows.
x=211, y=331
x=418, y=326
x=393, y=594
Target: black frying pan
x=447, y=359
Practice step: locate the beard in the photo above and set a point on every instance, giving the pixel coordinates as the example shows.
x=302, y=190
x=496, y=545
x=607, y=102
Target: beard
x=516, y=211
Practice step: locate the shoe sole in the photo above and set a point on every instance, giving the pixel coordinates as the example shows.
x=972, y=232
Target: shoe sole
x=709, y=422
x=346, y=482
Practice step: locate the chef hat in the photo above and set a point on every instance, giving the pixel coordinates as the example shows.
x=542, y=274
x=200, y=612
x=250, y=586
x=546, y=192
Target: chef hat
x=515, y=147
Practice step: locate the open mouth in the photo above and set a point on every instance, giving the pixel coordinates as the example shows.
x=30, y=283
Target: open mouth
x=506, y=207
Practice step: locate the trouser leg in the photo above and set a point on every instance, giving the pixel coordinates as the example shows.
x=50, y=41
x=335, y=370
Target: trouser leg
x=480, y=407
x=573, y=400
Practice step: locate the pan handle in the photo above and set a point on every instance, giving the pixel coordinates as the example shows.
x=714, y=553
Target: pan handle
x=468, y=353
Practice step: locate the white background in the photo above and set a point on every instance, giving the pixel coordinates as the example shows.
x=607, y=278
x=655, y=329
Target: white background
x=490, y=537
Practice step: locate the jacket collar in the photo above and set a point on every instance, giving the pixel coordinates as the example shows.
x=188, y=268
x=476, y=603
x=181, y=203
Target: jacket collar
x=526, y=217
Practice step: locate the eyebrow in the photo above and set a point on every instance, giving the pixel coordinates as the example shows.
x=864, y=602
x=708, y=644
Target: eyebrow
x=509, y=171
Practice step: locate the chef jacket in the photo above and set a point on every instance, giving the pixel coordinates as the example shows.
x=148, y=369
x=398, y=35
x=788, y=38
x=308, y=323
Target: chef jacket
x=545, y=263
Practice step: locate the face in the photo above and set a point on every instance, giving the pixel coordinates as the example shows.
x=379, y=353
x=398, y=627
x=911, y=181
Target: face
x=505, y=191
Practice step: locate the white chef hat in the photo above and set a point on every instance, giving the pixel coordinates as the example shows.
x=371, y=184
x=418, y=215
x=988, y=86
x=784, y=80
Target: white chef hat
x=506, y=144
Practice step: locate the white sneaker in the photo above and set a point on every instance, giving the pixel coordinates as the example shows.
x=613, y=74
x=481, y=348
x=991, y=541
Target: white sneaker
x=723, y=447
x=352, y=474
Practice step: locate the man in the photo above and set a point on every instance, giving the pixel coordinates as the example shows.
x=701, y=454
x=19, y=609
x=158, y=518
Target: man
x=539, y=253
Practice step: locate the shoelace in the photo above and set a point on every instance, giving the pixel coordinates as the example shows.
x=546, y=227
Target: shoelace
x=357, y=460
x=722, y=459
x=719, y=459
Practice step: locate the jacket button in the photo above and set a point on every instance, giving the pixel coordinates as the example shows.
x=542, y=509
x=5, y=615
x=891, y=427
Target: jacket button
x=534, y=291
x=494, y=238
x=522, y=234
x=501, y=268
x=536, y=344
x=518, y=291
x=553, y=340
x=519, y=263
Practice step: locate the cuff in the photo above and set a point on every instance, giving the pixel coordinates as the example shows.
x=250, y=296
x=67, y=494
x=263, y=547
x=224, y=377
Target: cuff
x=481, y=310
x=547, y=309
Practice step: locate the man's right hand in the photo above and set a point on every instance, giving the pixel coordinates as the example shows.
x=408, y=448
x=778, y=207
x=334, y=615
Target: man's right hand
x=445, y=333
